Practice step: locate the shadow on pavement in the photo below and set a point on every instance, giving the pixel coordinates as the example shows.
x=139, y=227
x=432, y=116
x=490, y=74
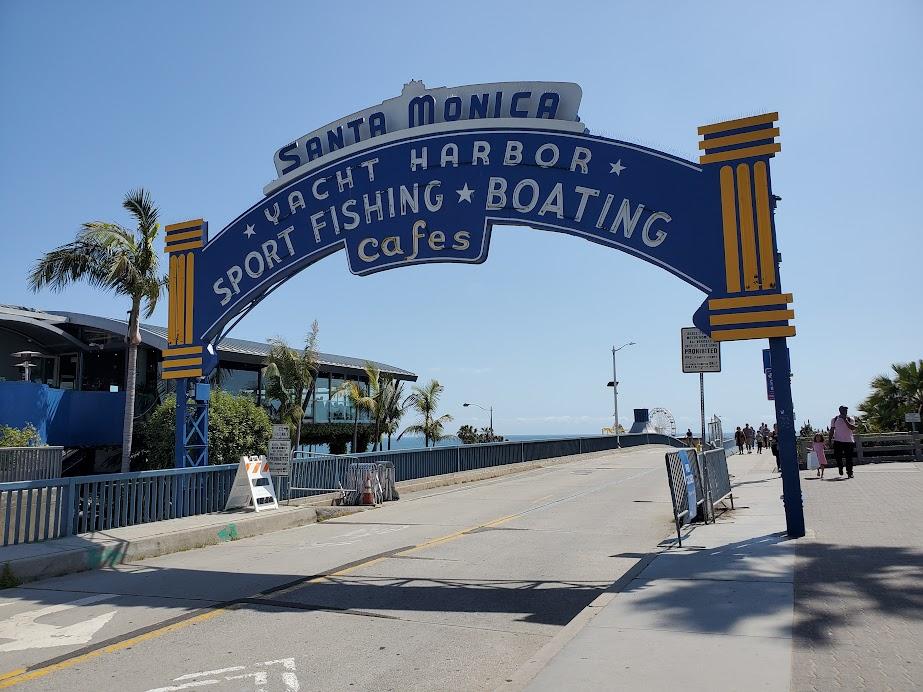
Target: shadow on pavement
x=887, y=580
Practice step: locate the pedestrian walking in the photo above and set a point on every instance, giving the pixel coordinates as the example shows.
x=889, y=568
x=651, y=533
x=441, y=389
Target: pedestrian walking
x=844, y=442
x=774, y=446
x=689, y=437
x=740, y=440
x=749, y=435
x=759, y=443
x=818, y=447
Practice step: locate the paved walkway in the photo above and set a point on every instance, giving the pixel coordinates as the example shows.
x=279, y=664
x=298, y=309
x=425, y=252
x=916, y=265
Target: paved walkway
x=742, y=607
x=714, y=615
x=859, y=582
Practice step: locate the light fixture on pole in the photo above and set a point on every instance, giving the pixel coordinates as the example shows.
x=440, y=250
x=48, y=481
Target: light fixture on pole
x=489, y=408
x=615, y=392
x=26, y=365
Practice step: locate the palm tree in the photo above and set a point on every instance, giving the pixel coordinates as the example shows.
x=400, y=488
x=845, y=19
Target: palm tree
x=394, y=405
x=361, y=400
x=892, y=398
x=109, y=256
x=425, y=400
x=289, y=377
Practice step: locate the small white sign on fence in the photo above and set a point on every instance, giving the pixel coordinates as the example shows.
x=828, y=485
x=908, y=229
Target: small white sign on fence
x=252, y=486
x=281, y=432
x=912, y=418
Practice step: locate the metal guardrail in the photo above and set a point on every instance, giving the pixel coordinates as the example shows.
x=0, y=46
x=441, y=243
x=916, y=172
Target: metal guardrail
x=410, y=464
x=30, y=463
x=39, y=510
x=33, y=511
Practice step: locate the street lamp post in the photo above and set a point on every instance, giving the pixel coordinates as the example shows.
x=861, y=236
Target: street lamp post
x=615, y=392
x=489, y=408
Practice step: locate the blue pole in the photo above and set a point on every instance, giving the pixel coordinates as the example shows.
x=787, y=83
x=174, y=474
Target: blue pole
x=179, y=453
x=785, y=419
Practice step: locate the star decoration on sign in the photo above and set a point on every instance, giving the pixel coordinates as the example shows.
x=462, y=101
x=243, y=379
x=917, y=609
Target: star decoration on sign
x=617, y=167
x=249, y=232
x=464, y=195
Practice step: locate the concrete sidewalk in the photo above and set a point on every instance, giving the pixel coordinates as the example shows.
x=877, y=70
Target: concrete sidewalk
x=716, y=614
x=742, y=607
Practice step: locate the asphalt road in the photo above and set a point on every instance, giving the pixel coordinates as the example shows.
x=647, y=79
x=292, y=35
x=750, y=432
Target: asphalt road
x=449, y=589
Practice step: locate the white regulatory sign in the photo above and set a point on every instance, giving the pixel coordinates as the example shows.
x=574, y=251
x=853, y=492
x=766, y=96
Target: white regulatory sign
x=912, y=418
x=700, y=353
x=279, y=457
x=280, y=432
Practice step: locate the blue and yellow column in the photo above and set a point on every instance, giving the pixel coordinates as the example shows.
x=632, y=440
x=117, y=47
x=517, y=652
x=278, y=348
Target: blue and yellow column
x=751, y=305
x=183, y=356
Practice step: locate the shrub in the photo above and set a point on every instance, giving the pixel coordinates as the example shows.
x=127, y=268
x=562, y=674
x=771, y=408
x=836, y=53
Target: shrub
x=19, y=437
x=236, y=427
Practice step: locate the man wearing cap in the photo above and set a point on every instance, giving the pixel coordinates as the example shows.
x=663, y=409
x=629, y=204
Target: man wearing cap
x=844, y=443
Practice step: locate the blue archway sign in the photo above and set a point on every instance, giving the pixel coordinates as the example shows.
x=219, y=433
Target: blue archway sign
x=424, y=177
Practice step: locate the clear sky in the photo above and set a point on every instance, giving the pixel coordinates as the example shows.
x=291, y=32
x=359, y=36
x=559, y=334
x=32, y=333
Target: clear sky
x=191, y=99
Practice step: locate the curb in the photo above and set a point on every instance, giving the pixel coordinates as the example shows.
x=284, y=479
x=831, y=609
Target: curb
x=83, y=553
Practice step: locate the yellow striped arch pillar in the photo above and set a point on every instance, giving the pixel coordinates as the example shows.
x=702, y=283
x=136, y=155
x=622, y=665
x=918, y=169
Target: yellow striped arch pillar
x=751, y=304
x=183, y=355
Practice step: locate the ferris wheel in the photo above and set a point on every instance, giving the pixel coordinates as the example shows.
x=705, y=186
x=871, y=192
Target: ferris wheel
x=663, y=421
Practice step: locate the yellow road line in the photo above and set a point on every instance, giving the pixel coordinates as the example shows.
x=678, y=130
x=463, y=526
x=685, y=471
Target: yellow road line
x=20, y=675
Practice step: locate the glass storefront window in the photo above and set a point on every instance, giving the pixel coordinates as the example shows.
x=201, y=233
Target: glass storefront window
x=235, y=381
x=322, y=399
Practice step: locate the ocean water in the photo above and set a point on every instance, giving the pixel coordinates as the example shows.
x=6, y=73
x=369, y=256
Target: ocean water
x=409, y=442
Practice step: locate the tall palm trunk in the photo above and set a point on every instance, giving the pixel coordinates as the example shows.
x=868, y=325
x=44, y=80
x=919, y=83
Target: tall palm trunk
x=356, y=430
x=134, y=338
x=301, y=417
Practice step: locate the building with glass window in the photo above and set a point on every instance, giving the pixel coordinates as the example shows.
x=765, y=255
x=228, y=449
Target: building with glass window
x=76, y=373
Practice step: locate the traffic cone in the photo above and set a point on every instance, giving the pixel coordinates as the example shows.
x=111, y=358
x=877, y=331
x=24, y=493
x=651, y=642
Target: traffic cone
x=368, y=498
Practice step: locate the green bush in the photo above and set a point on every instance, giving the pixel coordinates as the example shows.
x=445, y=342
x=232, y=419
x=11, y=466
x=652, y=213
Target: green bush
x=236, y=427
x=19, y=437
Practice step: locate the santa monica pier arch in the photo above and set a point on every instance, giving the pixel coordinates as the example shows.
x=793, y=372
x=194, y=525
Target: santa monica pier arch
x=423, y=177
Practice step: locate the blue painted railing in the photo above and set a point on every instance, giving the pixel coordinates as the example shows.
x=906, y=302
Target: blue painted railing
x=32, y=511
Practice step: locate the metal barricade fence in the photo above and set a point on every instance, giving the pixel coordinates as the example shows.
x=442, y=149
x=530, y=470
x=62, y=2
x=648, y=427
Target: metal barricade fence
x=676, y=477
x=717, y=479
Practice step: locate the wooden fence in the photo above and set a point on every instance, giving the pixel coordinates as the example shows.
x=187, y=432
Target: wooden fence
x=874, y=448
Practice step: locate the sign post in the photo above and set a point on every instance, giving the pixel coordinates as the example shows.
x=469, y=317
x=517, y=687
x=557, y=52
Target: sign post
x=701, y=355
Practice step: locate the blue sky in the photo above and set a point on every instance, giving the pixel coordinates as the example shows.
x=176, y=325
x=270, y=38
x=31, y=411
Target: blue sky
x=191, y=99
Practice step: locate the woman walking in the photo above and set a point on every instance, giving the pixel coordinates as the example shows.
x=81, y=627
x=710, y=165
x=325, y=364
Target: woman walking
x=739, y=440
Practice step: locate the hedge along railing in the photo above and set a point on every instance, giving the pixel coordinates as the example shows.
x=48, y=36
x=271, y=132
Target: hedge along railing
x=30, y=463
x=33, y=511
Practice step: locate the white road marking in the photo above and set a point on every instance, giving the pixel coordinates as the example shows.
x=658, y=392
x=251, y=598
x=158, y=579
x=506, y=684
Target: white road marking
x=25, y=633
x=260, y=677
x=189, y=676
x=356, y=535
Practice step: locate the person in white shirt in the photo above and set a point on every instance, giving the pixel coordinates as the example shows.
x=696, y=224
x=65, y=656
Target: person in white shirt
x=844, y=442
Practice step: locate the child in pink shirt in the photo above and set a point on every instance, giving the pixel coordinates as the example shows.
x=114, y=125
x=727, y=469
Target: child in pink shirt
x=818, y=447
